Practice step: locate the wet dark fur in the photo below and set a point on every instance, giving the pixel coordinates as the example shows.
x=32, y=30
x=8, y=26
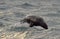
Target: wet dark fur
x=35, y=21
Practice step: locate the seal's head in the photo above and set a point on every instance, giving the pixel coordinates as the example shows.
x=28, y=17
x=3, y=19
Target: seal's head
x=35, y=21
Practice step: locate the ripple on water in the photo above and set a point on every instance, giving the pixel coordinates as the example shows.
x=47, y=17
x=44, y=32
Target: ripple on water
x=52, y=15
x=19, y=14
x=4, y=7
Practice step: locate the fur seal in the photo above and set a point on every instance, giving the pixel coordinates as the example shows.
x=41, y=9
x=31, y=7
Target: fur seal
x=35, y=21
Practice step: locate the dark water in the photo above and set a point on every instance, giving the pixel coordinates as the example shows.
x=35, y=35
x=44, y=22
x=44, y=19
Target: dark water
x=12, y=11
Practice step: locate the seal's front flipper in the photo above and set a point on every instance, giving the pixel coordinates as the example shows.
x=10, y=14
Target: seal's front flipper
x=31, y=25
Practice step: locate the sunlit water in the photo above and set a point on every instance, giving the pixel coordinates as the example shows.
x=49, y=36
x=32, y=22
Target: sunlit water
x=12, y=11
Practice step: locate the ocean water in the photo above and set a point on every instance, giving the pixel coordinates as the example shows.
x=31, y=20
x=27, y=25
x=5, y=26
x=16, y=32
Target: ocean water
x=12, y=11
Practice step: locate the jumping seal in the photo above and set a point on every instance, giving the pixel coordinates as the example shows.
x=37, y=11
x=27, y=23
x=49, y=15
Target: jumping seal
x=35, y=21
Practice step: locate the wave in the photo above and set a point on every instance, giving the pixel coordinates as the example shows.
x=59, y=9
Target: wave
x=19, y=14
x=18, y=29
x=26, y=6
x=4, y=7
x=52, y=15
